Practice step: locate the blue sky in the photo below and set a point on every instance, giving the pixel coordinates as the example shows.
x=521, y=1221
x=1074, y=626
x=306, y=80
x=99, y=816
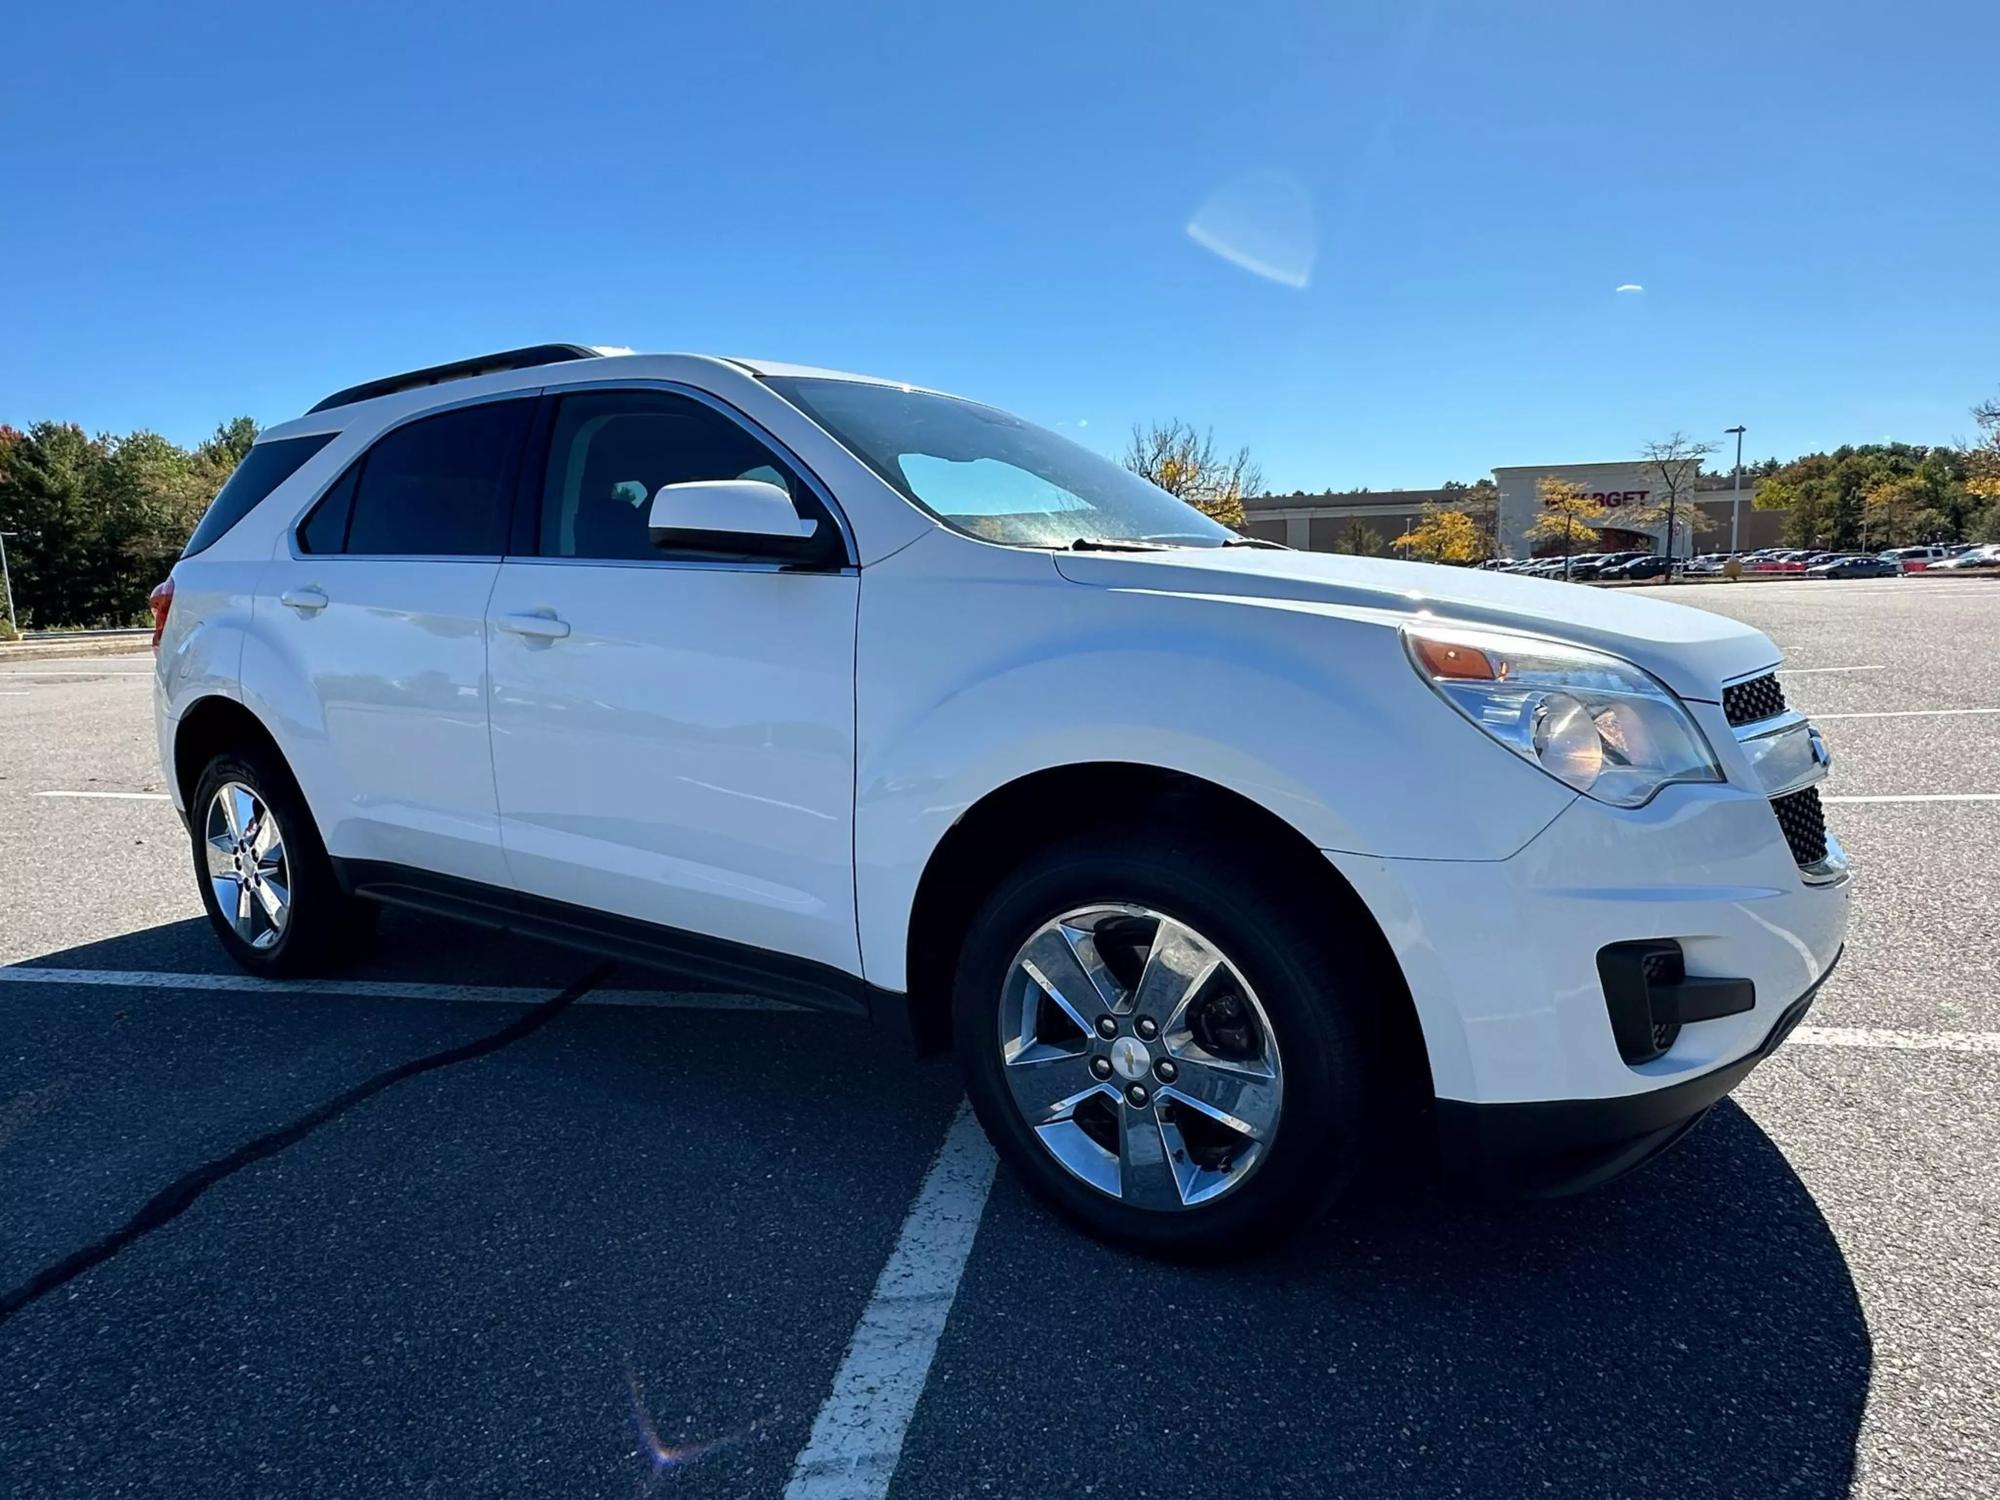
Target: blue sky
x=207, y=210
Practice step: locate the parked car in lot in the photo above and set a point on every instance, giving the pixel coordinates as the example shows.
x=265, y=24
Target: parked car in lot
x=1572, y=569
x=1854, y=565
x=1788, y=560
x=1601, y=564
x=1650, y=565
x=1226, y=870
x=1914, y=559
x=1971, y=560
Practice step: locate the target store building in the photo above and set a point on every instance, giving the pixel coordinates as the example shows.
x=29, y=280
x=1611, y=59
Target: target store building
x=1329, y=522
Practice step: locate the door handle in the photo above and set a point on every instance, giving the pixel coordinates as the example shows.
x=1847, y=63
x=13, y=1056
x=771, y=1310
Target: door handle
x=535, y=627
x=306, y=601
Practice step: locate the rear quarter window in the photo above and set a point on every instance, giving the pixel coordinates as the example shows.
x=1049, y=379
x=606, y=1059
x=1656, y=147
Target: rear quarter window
x=264, y=468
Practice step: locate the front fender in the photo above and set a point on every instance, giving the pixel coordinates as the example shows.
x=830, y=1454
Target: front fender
x=969, y=683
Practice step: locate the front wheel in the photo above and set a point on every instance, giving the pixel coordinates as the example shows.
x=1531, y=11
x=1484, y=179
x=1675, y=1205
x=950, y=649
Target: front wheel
x=266, y=882
x=1168, y=1043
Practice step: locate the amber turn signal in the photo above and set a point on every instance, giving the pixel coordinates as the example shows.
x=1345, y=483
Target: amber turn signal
x=1441, y=659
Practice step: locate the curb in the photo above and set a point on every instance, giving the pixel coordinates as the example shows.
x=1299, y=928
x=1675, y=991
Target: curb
x=19, y=651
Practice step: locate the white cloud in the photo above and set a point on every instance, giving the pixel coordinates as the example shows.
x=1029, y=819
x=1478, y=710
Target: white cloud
x=1630, y=286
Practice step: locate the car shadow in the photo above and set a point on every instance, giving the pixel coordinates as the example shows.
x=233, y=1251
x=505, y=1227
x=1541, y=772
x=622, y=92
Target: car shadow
x=471, y=1239
x=1693, y=1330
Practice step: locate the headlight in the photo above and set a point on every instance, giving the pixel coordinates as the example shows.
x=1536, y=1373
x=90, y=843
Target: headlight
x=1590, y=720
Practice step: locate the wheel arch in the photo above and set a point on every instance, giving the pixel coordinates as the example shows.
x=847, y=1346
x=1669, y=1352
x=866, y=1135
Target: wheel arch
x=209, y=726
x=1008, y=823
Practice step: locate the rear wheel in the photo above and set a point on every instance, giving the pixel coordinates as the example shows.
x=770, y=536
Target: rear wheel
x=1167, y=1043
x=266, y=882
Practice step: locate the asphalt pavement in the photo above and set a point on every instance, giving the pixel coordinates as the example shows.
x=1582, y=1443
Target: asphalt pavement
x=482, y=1217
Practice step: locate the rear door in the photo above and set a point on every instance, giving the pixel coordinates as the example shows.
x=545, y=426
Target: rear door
x=379, y=613
x=673, y=736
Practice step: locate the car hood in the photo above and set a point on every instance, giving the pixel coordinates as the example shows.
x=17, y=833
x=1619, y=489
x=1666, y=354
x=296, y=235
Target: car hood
x=1692, y=650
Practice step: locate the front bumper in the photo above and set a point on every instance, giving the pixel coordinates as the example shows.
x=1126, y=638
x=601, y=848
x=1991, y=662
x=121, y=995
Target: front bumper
x=1500, y=956
x=1568, y=1145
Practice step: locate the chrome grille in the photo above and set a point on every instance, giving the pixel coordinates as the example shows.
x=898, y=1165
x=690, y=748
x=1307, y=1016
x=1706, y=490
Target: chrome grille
x=1799, y=815
x=1747, y=702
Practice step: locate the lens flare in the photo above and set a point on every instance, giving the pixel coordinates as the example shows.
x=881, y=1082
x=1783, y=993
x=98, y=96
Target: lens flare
x=1260, y=222
x=664, y=1456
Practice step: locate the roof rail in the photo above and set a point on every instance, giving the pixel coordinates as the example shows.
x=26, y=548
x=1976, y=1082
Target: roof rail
x=461, y=369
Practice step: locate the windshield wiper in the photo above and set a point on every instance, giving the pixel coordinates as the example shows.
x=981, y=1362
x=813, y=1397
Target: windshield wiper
x=1255, y=541
x=1115, y=544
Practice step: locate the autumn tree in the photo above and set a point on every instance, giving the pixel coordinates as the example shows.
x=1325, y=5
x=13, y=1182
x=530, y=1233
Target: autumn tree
x=1186, y=464
x=1982, y=475
x=1801, y=505
x=1894, y=507
x=1482, y=501
x=1443, y=536
x=1569, y=518
x=1677, y=461
x=1359, y=540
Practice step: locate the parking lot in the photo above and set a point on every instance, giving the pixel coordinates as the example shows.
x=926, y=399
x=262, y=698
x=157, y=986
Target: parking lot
x=485, y=1218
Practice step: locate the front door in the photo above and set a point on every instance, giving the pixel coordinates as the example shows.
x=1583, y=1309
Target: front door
x=673, y=738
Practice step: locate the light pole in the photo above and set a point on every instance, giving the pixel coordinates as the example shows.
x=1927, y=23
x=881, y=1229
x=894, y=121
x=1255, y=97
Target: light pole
x=7, y=578
x=1736, y=497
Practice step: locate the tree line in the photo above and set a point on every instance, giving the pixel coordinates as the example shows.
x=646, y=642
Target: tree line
x=1891, y=494
x=94, y=521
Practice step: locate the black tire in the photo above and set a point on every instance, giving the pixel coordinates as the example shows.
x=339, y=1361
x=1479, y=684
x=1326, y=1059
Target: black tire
x=1306, y=963
x=324, y=928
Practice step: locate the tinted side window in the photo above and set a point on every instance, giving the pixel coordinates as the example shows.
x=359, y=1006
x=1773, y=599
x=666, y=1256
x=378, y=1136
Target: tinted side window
x=609, y=453
x=264, y=468
x=325, y=530
x=439, y=486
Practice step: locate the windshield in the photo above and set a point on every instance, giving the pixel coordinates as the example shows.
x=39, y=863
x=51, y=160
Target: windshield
x=993, y=475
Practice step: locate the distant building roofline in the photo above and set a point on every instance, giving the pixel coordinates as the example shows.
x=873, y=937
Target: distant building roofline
x=1254, y=503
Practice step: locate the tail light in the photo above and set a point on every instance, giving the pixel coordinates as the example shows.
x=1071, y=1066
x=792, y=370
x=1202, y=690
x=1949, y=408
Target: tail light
x=162, y=600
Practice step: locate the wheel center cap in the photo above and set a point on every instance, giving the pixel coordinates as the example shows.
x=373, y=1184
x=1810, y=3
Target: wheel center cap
x=1130, y=1058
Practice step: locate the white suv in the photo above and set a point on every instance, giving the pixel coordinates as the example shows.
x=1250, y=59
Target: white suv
x=1225, y=869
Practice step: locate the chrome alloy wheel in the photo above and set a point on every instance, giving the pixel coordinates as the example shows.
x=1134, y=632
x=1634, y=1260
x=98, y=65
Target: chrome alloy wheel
x=1140, y=1056
x=246, y=864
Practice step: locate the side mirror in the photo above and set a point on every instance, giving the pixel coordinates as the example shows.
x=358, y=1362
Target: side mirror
x=732, y=518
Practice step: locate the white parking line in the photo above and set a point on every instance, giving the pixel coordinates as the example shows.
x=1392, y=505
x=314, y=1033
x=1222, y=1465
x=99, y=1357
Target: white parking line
x=377, y=989
x=857, y=1439
x=1906, y=713
x=1897, y=1041
x=7, y=672
x=111, y=796
x=1923, y=797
